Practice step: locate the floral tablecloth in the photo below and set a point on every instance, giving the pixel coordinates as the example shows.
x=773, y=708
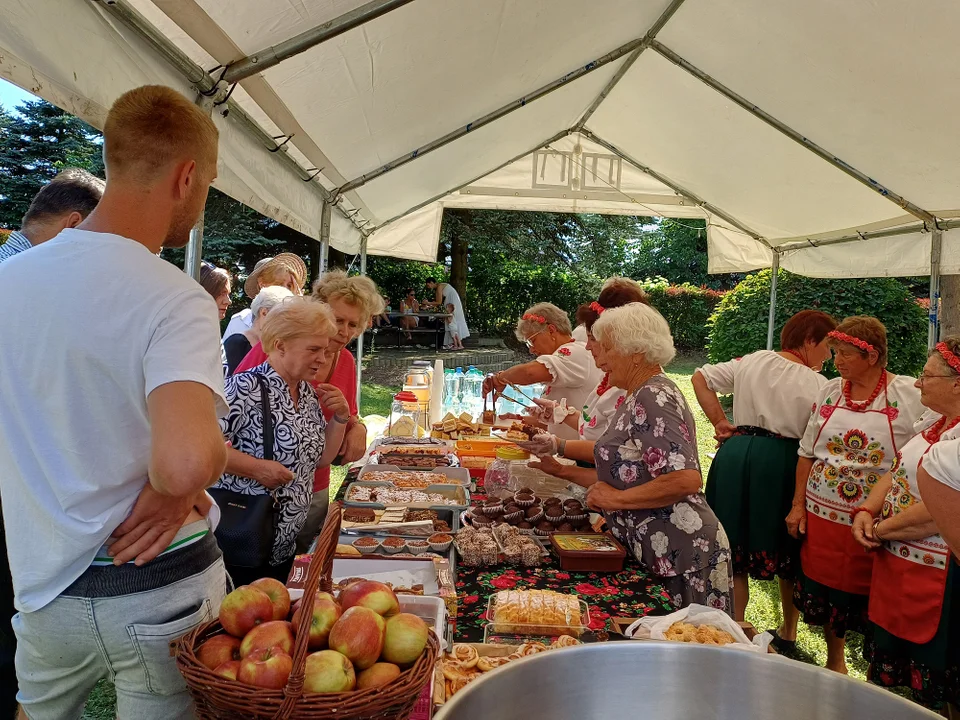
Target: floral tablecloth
x=629, y=593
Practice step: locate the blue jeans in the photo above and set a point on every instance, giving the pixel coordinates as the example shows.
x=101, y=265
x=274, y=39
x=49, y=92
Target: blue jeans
x=88, y=634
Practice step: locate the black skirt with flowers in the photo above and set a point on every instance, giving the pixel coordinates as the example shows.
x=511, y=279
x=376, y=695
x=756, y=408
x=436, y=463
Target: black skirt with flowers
x=822, y=605
x=750, y=488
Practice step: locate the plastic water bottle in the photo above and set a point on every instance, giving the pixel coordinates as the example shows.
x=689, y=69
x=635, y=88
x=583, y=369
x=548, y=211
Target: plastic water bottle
x=473, y=392
x=458, y=392
x=449, y=390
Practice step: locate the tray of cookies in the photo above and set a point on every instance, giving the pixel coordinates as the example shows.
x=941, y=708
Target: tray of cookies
x=395, y=475
x=380, y=495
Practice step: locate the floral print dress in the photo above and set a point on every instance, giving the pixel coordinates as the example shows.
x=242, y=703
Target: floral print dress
x=683, y=544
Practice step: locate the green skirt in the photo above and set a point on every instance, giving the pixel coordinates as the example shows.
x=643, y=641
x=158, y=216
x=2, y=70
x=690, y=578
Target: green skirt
x=931, y=670
x=750, y=488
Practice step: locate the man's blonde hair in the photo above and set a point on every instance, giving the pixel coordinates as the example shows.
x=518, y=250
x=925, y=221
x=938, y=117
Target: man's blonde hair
x=151, y=127
x=296, y=317
x=357, y=290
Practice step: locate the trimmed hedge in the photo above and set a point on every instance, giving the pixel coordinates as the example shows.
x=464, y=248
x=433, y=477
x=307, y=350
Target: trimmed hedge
x=686, y=307
x=739, y=325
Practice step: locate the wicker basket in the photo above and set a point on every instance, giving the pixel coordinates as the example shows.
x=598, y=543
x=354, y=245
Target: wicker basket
x=217, y=698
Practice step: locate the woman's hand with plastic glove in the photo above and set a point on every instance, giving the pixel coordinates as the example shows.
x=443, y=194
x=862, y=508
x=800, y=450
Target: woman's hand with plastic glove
x=541, y=445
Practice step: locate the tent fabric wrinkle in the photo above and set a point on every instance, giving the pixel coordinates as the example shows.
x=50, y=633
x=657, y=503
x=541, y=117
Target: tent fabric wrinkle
x=760, y=117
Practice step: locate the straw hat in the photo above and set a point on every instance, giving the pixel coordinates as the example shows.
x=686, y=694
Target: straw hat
x=293, y=263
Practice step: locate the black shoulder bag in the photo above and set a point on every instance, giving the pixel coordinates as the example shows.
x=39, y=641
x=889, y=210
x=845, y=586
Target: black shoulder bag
x=248, y=522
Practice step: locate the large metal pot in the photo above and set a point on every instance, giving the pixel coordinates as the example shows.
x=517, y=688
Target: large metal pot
x=671, y=681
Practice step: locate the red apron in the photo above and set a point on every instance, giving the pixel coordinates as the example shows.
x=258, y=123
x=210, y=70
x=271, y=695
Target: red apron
x=909, y=578
x=854, y=449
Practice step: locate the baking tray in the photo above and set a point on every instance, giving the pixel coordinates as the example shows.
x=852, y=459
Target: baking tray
x=454, y=492
x=510, y=630
x=447, y=514
x=610, y=559
x=450, y=475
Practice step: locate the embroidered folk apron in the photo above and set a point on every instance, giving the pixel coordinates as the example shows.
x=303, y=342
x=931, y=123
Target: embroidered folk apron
x=909, y=578
x=854, y=449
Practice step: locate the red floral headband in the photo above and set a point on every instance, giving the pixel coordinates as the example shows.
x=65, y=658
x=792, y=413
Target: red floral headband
x=855, y=341
x=597, y=307
x=535, y=318
x=947, y=354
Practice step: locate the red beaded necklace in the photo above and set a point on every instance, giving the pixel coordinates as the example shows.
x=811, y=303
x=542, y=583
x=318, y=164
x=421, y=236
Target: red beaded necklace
x=797, y=355
x=861, y=406
x=933, y=433
x=604, y=385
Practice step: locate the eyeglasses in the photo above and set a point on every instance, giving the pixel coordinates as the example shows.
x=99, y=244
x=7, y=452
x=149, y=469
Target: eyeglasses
x=529, y=340
x=924, y=377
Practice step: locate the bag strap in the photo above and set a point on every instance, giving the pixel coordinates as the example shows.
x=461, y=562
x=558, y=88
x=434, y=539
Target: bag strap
x=267, y=417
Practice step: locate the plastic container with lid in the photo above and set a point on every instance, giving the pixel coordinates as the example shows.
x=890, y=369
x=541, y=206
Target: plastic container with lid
x=406, y=415
x=497, y=478
x=588, y=552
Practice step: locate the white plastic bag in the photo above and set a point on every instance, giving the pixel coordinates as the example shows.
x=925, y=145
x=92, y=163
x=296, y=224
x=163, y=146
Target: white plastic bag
x=700, y=615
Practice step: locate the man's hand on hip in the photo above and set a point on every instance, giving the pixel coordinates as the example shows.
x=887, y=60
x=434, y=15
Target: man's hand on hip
x=152, y=525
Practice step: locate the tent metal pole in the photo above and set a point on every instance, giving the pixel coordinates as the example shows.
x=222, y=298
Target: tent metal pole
x=194, y=250
x=631, y=59
x=936, y=244
x=944, y=225
x=676, y=188
x=268, y=57
x=806, y=142
x=324, y=239
x=204, y=83
x=771, y=322
x=493, y=116
x=363, y=271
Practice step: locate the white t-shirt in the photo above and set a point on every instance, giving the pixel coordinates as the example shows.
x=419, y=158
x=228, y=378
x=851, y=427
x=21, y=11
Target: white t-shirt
x=943, y=463
x=769, y=391
x=240, y=322
x=93, y=323
x=574, y=375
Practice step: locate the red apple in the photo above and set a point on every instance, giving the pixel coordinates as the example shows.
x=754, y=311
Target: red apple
x=328, y=672
x=228, y=670
x=327, y=595
x=276, y=633
x=376, y=675
x=358, y=634
x=269, y=668
x=325, y=613
x=218, y=650
x=405, y=639
x=278, y=594
x=370, y=594
x=244, y=609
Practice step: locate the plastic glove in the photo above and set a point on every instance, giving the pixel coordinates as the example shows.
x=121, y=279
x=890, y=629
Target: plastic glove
x=541, y=445
x=554, y=412
x=542, y=410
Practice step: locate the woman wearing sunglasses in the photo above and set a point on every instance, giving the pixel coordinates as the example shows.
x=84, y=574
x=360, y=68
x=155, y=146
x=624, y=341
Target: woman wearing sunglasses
x=564, y=364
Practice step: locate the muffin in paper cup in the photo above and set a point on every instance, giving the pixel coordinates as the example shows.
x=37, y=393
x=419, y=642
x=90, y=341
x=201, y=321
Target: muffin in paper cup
x=366, y=547
x=526, y=531
x=543, y=532
x=524, y=503
x=555, y=519
x=535, y=518
x=491, y=510
x=417, y=546
x=440, y=547
x=393, y=547
x=514, y=517
x=576, y=518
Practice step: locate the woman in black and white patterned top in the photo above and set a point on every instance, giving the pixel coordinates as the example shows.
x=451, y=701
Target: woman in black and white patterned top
x=295, y=335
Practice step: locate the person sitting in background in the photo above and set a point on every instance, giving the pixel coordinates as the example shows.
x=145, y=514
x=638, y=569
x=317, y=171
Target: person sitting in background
x=859, y=424
x=62, y=203
x=383, y=319
x=753, y=476
x=914, y=594
x=409, y=306
x=563, y=363
x=353, y=300
x=295, y=335
x=649, y=468
x=286, y=270
x=236, y=347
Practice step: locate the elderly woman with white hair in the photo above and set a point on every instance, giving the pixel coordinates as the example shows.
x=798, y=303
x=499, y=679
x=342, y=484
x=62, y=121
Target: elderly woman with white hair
x=238, y=345
x=278, y=438
x=649, y=486
x=562, y=363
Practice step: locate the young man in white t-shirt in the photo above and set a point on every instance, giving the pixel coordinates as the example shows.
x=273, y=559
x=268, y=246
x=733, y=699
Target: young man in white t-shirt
x=110, y=387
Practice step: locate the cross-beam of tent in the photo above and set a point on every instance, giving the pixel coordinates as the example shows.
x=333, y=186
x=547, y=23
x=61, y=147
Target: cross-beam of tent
x=357, y=122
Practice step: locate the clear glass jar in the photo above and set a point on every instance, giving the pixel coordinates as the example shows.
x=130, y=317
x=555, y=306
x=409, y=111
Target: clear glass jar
x=496, y=481
x=406, y=415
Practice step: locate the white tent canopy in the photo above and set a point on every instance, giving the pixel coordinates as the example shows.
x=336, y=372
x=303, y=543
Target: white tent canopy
x=817, y=135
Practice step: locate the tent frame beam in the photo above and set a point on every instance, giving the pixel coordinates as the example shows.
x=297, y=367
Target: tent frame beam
x=490, y=117
x=700, y=202
x=218, y=92
x=257, y=62
x=628, y=63
x=869, y=235
x=801, y=139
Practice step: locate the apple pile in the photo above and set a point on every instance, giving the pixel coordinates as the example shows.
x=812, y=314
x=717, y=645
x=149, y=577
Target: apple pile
x=358, y=641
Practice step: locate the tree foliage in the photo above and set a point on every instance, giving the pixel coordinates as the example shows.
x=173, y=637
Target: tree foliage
x=739, y=326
